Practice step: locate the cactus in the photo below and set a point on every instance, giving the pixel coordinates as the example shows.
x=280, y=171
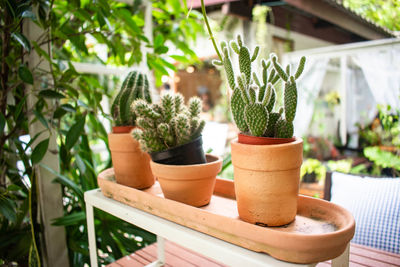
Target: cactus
x=167, y=124
x=252, y=101
x=135, y=86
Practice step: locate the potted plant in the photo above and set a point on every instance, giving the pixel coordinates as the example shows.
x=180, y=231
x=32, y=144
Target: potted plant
x=131, y=164
x=266, y=157
x=171, y=133
x=312, y=171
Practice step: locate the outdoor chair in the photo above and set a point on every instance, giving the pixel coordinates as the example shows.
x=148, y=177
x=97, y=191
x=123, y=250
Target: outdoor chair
x=375, y=205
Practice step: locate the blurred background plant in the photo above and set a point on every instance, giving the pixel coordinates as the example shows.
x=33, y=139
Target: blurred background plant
x=312, y=170
x=68, y=106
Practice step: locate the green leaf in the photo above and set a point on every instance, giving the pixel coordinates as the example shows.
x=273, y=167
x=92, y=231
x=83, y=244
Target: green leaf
x=74, y=133
x=25, y=74
x=76, y=218
x=2, y=123
x=7, y=208
x=13, y=187
x=68, y=108
x=161, y=50
x=40, y=117
x=51, y=94
x=179, y=58
x=126, y=16
x=39, y=151
x=41, y=52
x=20, y=38
x=158, y=41
x=65, y=181
x=81, y=165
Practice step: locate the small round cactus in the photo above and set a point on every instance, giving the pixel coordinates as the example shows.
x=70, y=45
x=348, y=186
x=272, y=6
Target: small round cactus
x=252, y=101
x=135, y=86
x=168, y=124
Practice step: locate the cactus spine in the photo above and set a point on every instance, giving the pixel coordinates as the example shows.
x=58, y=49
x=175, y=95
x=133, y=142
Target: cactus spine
x=252, y=101
x=167, y=124
x=135, y=86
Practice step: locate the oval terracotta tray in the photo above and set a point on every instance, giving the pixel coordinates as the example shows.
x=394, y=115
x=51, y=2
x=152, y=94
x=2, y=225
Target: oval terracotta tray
x=321, y=230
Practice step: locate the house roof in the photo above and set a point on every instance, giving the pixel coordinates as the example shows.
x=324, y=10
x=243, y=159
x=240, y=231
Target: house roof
x=339, y=5
x=342, y=25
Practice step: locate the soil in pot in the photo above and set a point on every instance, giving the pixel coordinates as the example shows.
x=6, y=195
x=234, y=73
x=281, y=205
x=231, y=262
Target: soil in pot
x=189, y=184
x=186, y=154
x=131, y=164
x=267, y=181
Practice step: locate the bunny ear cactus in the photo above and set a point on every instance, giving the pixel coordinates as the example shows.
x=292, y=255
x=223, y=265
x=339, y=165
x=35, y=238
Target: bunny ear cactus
x=253, y=101
x=135, y=86
x=167, y=124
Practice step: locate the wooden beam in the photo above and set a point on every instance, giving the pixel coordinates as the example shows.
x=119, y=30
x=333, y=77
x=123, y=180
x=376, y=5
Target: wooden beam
x=287, y=16
x=54, y=245
x=326, y=11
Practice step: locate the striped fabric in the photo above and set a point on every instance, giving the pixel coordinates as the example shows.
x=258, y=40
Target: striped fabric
x=375, y=205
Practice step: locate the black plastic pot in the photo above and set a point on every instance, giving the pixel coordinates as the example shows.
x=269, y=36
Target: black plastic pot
x=186, y=154
x=310, y=178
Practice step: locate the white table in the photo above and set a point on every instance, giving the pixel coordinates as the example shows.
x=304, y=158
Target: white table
x=209, y=246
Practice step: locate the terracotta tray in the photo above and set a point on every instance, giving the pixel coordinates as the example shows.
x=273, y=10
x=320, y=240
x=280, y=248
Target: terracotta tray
x=321, y=230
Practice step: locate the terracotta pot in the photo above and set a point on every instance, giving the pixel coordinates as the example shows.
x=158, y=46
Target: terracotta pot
x=267, y=181
x=257, y=140
x=189, y=184
x=131, y=164
x=122, y=129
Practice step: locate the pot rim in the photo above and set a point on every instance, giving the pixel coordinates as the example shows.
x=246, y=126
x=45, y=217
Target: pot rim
x=122, y=129
x=268, y=140
x=295, y=142
x=214, y=160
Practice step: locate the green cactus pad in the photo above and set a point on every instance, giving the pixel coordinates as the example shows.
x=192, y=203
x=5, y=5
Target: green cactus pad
x=290, y=100
x=255, y=53
x=234, y=46
x=253, y=94
x=245, y=62
x=237, y=107
x=143, y=109
x=272, y=98
x=283, y=129
x=279, y=69
x=195, y=106
x=168, y=107
x=197, y=132
x=256, y=116
x=182, y=129
x=273, y=118
x=300, y=68
x=229, y=70
x=135, y=86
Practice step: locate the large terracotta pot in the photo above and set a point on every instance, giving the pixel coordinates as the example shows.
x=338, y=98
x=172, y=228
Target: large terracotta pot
x=131, y=164
x=189, y=184
x=267, y=181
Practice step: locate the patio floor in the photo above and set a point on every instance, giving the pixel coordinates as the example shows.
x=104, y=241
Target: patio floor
x=177, y=256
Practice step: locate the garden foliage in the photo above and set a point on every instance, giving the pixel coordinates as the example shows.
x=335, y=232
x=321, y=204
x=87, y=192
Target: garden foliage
x=67, y=106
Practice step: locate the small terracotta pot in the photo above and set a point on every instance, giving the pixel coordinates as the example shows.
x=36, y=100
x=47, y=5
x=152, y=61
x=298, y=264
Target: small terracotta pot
x=257, y=140
x=131, y=164
x=122, y=129
x=267, y=181
x=189, y=184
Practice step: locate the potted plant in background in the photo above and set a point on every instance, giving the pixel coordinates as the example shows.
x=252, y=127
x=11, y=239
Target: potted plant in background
x=266, y=157
x=312, y=171
x=171, y=133
x=131, y=164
